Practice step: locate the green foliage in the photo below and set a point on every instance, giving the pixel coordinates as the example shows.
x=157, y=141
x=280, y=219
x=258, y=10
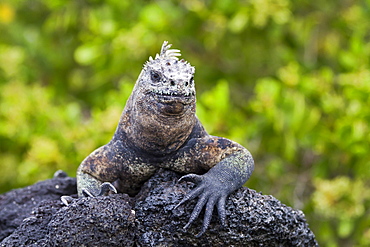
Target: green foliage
x=290, y=80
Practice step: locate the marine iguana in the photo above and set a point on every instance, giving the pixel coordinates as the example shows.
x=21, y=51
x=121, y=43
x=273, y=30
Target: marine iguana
x=159, y=129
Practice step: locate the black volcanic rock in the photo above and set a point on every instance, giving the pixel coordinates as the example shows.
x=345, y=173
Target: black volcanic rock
x=35, y=216
x=17, y=205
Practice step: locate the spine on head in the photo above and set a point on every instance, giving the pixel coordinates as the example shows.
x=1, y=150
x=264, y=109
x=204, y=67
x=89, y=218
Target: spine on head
x=166, y=52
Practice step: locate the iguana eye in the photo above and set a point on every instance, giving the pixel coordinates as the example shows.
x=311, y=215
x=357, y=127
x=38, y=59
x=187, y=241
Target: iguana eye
x=155, y=76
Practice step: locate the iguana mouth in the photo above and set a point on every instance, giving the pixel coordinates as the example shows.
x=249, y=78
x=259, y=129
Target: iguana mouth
x=175, y=97
x=176, y=94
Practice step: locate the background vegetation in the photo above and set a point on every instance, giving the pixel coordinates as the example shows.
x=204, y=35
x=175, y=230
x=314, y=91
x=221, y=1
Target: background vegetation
x=290, y=80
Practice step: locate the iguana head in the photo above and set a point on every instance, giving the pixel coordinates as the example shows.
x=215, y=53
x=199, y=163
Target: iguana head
x=167, y=83
x=160, y=115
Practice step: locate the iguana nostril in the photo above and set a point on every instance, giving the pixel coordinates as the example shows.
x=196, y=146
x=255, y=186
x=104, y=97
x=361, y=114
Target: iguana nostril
x=172, y=83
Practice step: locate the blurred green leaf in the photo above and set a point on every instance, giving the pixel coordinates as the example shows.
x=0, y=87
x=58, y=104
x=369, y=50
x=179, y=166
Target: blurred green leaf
x=87, y=54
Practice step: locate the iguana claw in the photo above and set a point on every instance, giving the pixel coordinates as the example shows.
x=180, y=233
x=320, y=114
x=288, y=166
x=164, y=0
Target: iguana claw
x=66, y=200
x=210, y=193
x=105, y=188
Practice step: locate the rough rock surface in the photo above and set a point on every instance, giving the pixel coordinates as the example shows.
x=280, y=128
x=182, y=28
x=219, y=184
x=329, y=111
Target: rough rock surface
x=34, y=216
x=17, y=205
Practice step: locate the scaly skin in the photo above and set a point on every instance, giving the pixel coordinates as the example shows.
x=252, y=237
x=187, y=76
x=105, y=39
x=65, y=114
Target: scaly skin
x=159, y=129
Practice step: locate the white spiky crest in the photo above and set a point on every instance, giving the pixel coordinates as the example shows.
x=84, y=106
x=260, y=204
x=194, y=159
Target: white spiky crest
x=176, y=75
x=167, y=62
x=166, y=52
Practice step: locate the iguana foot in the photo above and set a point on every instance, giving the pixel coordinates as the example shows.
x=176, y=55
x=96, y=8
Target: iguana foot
x=105, y=188
x=66, y=200
x=210, y=193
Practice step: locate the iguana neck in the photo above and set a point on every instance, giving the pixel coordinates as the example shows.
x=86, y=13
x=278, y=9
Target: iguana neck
x=147, y=128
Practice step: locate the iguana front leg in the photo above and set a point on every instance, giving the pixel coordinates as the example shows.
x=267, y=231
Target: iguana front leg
x=88, y=186
x=92, y=188
x=214, y=186
x=112, y=164
x=98, y=170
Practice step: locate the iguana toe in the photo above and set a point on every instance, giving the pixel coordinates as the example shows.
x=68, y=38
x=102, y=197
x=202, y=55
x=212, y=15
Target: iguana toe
x=66, y=200
x=105, y=188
